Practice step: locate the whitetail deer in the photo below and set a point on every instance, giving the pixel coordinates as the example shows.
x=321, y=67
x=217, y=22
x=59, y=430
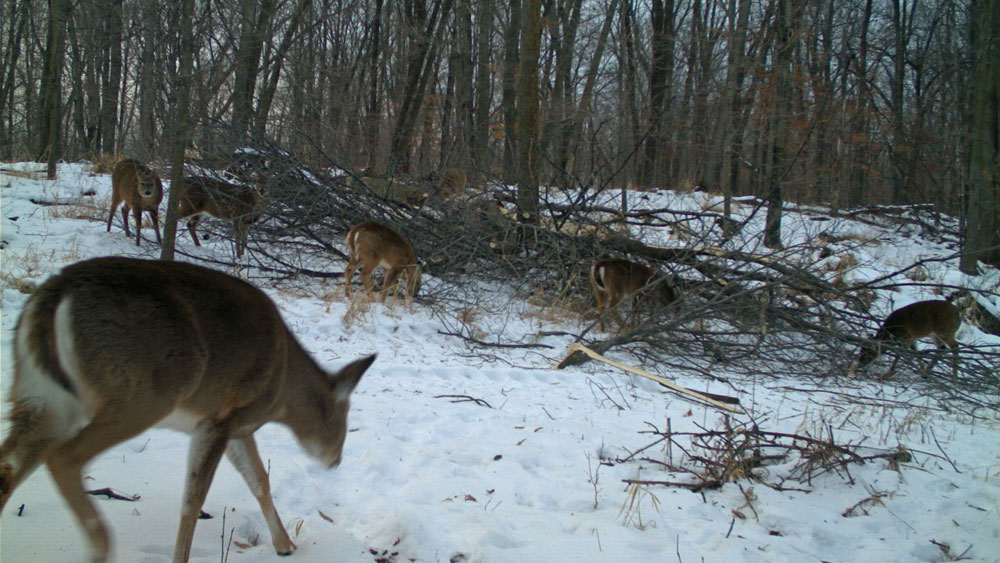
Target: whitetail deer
x=241, y=205
x=371, y=245
x=139, y=188
x=614, y=278
x=112, y=346
x=939, y=319
x=452, y=182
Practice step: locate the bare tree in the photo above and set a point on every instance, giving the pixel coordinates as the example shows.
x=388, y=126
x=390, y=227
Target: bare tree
x=982, y=236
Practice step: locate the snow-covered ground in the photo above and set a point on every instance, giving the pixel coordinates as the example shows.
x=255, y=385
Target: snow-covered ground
x=519, y=476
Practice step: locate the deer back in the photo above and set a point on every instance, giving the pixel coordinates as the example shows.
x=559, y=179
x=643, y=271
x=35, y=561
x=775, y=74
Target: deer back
x=616, y=278
x=377, y=244
x=917, y=320
x=221, y=200
x=453, y=181
x=924, y=318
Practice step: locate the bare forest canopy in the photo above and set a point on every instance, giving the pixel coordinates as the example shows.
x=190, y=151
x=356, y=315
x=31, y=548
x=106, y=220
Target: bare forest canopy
x=844, y=102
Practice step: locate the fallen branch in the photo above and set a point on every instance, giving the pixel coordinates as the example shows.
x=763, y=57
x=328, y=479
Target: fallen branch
x=719, y=401
x=464, y=399
x=106, y=491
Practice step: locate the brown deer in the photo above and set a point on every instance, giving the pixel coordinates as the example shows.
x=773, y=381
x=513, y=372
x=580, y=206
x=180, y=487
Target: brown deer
x=112, y=346
x=241, y=205
x=614, y=278
x=452, y=182
x=371, y=245
x=936, y=318
x=139, y=188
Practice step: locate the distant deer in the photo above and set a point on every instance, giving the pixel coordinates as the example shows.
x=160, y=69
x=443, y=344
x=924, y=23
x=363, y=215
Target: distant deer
x=613, y=278
x=452, y=182
x=371, y=245
x=939, y=319
x=139, y=188
x=241, y=205
x=112, y=346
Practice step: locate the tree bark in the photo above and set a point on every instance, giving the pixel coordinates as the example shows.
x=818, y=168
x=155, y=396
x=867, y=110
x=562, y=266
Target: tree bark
x=512, y=39
x=113, y=77
x=180, y=127
x=527, y=112
x=50, y=139
x=982, y=222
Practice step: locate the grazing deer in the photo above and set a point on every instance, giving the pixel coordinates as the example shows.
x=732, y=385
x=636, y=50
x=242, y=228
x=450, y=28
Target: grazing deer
x=614, y=278
x=139, y=188
x=241, y=205
x=112, y=346
x=371, y=245
x=939, y=319
x=452, y=182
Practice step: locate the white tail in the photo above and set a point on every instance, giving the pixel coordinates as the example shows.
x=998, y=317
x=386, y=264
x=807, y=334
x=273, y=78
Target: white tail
x=140, y=189
x=452, y=183
x=939, y=319
x=371, y=245
x=241, y=205
x=613, y=278
x=113, y=346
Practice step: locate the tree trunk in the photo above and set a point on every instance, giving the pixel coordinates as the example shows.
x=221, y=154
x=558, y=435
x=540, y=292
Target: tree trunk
x=512, y=39
x=982, y=222
x=50, y=140
x=527, y=112
x=255, y=20
x=180, y=128
x=113, y=77
x=423, y=31
x=780, y=116
x=373, y=109
x=148, y=77
x=480, y=144
x=660, y=77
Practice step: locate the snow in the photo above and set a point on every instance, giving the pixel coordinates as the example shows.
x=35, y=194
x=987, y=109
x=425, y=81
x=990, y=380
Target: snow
x=518, y=477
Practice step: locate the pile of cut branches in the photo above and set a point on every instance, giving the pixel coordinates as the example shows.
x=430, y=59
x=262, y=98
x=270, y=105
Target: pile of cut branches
x=711, y=458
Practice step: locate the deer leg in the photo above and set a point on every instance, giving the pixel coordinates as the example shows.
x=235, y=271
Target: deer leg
x=242, y=453
x=352, y=265
x=66, y=463
x=154, y=214
x=125, y=220
x=115, y=202
x=240, y=230
x=28, y=444
x=193, y=229
x=390, y=283
x=208, y=442
x=366, y=276
x=137, y=211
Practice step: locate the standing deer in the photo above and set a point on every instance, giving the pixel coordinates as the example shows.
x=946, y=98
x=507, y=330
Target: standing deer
x=936, y=318
x=241, y=205
x=614, y=278
x=452, y=182
x=371, y=245
x=112, y=346
x=139, y=188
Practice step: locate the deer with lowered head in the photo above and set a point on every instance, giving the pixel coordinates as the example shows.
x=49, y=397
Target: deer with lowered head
x=112, y=346
x=371, y=245
x=612, y=279
x=452, y=182
x=239, y=204
x=135, y=186
x=905, y=325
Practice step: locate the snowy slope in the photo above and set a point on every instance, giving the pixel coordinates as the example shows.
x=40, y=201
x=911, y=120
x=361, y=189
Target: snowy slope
x=519, y=476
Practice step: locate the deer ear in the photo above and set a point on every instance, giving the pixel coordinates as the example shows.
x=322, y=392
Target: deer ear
x=347, y=378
